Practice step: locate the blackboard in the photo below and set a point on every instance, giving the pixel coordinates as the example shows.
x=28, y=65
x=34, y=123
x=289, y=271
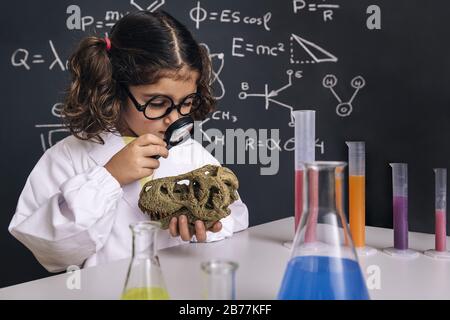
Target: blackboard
x=386, y=61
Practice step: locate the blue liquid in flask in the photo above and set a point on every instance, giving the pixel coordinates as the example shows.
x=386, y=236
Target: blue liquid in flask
x=323, y=278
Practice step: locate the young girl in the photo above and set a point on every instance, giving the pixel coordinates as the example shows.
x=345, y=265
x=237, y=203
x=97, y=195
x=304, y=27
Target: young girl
x=82, y=195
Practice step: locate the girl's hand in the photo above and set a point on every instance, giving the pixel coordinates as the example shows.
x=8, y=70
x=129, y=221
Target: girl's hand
x=180, y=227
x=135, y=160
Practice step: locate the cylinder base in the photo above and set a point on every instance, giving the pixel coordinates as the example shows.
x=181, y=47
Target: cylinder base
x=441, y=255
x=404, y=254
x=365, y=251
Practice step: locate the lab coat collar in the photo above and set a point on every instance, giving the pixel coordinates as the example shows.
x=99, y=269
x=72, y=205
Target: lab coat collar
x=102, y=153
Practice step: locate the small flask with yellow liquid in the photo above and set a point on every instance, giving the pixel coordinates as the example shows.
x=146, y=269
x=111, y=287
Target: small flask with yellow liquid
x=144, y=279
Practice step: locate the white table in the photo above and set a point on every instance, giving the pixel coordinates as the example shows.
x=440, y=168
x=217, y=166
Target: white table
x=262, y=260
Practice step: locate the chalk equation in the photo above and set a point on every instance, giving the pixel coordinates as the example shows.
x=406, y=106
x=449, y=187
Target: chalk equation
x=344, y=108
x=240, y=47
x=77, y=21
x=326, y=10
x=199, y=14
x=217, y=137
x=301, y=51
x=270, y=96
x=53, y=132
x=280, y=145
x=21, y=58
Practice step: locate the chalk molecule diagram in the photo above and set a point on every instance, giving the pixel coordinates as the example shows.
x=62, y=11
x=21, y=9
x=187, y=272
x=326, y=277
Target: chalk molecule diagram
x=270, y=95
x=344, y=108
x=216, y=115
x=216, y=71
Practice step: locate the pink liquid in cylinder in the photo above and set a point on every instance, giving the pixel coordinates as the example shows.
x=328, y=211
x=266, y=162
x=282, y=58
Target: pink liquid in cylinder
x=298, y=196
x=313, y=207
x=441, y=234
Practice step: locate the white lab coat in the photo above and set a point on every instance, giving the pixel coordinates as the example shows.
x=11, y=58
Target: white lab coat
x=73, y=212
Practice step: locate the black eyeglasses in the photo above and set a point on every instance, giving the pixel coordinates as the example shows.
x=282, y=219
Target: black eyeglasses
x=160, y=106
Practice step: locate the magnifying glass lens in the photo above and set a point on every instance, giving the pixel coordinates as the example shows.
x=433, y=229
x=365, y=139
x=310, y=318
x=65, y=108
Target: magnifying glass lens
x=180, y=134
x=179, y=131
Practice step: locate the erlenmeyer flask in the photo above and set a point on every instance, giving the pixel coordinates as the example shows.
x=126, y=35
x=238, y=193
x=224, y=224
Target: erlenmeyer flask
x=144, y=279
x=219, y=280
x=323, y=263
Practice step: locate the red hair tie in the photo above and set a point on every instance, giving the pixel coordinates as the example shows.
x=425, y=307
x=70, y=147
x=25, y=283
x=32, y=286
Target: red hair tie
x=108, y=43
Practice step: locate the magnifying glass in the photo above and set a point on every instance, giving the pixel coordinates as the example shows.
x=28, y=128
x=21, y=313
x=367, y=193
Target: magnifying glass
x=178, y=132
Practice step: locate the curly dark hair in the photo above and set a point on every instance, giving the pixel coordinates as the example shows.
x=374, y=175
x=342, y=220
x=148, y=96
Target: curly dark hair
x=145, y=47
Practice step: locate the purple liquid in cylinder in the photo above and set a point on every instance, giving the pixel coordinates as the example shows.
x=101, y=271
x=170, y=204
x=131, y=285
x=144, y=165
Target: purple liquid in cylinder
x=400, y=222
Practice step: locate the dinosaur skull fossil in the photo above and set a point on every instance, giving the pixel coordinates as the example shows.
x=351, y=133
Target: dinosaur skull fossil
x=202, y=194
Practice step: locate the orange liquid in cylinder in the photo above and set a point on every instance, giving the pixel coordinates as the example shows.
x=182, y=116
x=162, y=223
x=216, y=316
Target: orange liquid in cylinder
x=357, y=209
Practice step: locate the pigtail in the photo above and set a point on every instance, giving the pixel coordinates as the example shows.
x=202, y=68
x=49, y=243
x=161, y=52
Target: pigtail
x=91, y=105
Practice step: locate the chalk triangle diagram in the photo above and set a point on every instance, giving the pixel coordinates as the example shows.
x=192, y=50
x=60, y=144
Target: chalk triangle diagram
x=316, y=54
x=151, y=7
